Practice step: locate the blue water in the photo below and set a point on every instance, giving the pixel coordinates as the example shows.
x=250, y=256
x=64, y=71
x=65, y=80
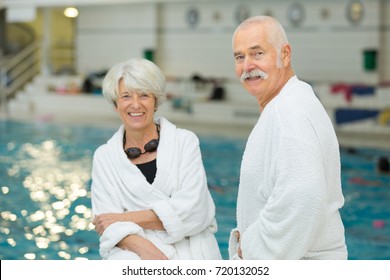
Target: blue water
x=45, y=199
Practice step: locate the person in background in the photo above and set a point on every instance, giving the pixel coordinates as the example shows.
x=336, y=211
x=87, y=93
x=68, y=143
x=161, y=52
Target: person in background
x=149, y=190
x=290, y=185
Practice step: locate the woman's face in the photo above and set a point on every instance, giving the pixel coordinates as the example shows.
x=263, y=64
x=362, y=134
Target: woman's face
x=136, y=110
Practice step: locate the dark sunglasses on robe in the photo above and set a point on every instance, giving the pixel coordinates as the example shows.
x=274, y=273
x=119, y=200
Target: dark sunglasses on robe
x=149, y=147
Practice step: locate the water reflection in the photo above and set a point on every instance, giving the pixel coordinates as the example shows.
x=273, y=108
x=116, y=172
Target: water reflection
x=58, y=190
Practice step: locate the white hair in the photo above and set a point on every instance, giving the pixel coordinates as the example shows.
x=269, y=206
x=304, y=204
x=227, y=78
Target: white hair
x=276, y=34
x=139, y=75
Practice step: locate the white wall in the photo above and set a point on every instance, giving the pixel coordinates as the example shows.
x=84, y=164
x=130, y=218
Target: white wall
x=110, y=34
x=324, y=49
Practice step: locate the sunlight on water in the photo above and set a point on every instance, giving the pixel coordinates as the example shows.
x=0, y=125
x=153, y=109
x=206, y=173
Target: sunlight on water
x=54, y=186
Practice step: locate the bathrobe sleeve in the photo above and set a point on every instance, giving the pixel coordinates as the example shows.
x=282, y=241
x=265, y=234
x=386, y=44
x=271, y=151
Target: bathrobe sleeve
x=190, y=209
x=103, y=200
x=106, y=200
x=296, y=206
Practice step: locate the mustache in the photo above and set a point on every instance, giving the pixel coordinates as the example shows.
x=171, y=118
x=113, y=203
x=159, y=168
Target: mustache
x=254, y=73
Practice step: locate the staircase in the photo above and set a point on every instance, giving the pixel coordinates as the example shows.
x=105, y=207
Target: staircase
x=20, y=64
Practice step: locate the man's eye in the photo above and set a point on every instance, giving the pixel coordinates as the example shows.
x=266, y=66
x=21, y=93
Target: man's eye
x=239, y=58
x=257, y=54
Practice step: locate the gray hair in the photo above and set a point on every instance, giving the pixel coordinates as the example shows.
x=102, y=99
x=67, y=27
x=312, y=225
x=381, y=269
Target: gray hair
x=276, y=34
x=139, y=75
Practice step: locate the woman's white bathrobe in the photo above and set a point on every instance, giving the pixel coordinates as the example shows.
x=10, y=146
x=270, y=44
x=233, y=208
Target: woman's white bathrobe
x=179, y=196
x=290, y=190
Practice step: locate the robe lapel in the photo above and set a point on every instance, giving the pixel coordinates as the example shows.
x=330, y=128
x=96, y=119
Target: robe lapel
x=132, y=179
x=165, y=153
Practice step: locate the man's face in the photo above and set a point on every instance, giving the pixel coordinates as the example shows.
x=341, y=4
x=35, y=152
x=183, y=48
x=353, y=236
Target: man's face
x=253, y=51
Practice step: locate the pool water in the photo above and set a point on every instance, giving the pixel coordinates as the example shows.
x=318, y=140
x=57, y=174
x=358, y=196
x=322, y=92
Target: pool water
x=45, y=208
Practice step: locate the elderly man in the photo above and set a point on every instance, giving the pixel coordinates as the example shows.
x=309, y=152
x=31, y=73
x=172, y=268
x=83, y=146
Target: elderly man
x=290, y=188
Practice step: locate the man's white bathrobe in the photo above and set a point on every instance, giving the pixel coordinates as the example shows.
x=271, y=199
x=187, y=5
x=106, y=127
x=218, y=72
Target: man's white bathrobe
x=290, y=187
x=179, y=196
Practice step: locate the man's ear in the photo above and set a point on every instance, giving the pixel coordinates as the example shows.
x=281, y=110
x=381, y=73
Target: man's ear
x=286, y=54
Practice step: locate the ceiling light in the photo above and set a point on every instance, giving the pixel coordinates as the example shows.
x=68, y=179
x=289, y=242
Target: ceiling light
x=71, y=12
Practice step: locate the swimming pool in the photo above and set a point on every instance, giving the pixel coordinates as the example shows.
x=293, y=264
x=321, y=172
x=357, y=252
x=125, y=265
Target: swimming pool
x=45, y=199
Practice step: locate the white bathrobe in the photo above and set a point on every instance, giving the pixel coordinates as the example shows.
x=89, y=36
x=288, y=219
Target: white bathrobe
x=179, y=196
x=290, y=190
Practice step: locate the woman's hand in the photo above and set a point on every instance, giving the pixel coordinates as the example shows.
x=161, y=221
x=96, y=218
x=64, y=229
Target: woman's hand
x=145, y=249
x=146, y=219
x=102, y=221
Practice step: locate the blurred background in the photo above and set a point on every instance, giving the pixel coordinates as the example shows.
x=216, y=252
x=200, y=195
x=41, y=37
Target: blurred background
x=55, y=53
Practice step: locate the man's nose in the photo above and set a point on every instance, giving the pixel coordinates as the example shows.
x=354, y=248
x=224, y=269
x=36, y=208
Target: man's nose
x=248, y=64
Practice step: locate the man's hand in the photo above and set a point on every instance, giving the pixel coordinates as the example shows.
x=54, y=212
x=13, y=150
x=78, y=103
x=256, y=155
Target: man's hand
x=239, y=252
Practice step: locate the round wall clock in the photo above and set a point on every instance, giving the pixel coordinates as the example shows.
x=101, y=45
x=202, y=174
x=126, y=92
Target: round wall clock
x=242, y=13
x=296, y=13
x=192, y=16
x=355, y=11
x=325, y=13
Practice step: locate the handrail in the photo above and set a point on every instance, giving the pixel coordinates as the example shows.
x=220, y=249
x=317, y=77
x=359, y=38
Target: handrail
x=17, y=70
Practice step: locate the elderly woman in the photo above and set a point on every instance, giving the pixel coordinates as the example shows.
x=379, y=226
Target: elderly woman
x=149, y=190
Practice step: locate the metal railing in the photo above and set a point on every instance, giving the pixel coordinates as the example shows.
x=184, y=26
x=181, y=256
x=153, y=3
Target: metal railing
x=16, y=71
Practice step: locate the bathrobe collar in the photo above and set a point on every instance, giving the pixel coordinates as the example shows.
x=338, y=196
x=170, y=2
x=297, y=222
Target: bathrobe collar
x=129, y=172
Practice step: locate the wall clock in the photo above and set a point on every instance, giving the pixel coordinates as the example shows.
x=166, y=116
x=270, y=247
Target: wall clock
x=242, y=13
x=355, y=11
x=192, y=16
x=296, y=13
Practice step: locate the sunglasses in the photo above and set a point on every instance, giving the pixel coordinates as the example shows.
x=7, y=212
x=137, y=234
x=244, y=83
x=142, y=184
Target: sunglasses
x=149, y=147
